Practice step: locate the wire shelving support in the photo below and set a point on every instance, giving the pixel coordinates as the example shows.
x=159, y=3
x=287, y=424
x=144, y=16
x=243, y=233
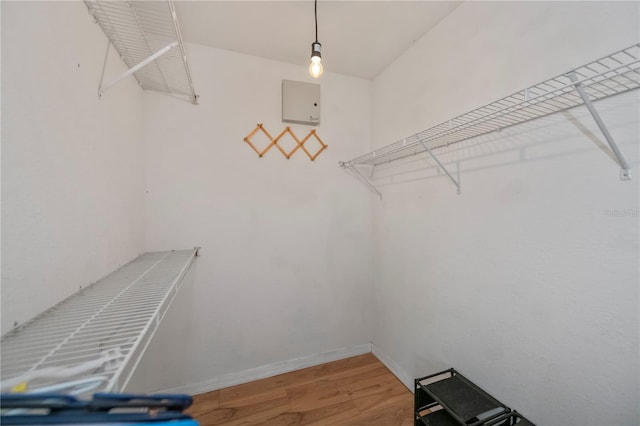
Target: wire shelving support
x=610, y=75
x=147, y=37
x=94, y=340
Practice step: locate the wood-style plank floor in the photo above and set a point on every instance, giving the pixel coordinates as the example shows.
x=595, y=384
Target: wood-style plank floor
x=352, y=391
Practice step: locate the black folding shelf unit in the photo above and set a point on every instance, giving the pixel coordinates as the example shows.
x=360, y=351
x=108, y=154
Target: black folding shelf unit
x=448, y=398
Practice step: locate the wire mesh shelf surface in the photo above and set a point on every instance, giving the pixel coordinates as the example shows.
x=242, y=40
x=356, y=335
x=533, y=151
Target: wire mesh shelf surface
x=118, y=314
x=611, y=75
x=137, y=30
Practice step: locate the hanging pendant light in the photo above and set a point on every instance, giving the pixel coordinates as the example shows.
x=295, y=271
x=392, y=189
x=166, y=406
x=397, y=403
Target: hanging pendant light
x=315, y=67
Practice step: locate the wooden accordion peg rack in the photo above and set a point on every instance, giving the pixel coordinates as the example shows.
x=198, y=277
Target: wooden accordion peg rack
x=274, y=142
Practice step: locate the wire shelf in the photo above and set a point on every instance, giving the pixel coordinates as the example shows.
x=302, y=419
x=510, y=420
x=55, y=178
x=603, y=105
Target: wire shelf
x=137, y=30
x=611, y=75
x=118, y=314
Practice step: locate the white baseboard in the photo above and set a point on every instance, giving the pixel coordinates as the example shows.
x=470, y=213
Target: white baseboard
x=397, y=371
x=270, y=370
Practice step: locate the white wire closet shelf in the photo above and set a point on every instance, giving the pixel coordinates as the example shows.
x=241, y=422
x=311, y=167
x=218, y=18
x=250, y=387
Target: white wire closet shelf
x=94, y=339
x=147, y=37
x=613, y=74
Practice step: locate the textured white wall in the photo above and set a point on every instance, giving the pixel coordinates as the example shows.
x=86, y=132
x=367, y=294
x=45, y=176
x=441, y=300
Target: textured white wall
x=528, y=281
x=286, y=251
x=72, y=181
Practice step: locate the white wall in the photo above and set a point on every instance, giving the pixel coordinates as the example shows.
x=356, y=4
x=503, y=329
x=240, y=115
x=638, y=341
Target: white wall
x=72, y=181
x=527, y=282
x=285, y=266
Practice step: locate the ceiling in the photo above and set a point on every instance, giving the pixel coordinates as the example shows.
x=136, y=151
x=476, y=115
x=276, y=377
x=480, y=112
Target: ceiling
x=359, y=38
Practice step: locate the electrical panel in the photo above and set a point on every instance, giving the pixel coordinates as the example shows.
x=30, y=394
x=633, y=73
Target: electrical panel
x=300, y=102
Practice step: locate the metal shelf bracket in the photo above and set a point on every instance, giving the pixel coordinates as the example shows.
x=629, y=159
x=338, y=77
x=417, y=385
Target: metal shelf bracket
x=455, y=182
x=361, y=177
x=103, y=88
x=625, y=172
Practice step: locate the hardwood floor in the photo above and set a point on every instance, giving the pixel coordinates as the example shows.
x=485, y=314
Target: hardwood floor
x=352, y=391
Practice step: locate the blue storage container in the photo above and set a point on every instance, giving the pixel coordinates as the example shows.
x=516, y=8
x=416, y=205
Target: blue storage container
x=102, y=409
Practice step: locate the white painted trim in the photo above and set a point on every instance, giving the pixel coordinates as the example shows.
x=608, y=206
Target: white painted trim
x=395, y=369
x=270, y=370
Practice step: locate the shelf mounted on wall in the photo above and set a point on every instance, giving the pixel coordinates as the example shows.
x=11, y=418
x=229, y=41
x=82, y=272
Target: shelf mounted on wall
x=146, y=35
x=611, y=75
x=93, y=341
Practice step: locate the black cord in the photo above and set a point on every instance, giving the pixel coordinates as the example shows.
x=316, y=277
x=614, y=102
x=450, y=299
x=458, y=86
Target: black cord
x=315, y=11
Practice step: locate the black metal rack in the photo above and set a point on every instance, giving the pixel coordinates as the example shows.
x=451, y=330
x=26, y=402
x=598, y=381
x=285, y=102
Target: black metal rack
x=511, y=418
x=448, y=398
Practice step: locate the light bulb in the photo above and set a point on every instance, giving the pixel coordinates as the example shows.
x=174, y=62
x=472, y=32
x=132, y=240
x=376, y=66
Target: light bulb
x=315, y=67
